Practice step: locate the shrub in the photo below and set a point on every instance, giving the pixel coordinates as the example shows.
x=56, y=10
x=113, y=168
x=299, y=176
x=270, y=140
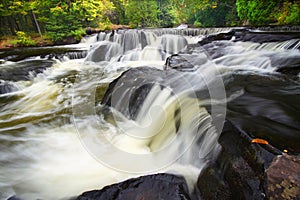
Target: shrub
x=23, y=40
x=77, y=34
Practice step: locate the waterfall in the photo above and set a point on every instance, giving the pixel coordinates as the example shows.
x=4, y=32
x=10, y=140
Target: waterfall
x=81, y=124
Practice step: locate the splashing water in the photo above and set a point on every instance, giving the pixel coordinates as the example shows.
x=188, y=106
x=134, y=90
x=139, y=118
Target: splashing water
x=56, y=143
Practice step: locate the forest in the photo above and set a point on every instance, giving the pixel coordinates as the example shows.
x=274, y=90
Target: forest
x=56, y=20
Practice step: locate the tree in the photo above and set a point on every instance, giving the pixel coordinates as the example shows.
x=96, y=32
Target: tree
x=12, y=14
x=117, y=16
x=257, y=12
x=288, y=13
x=142, y=13
x=216, y=13
x=67, y=18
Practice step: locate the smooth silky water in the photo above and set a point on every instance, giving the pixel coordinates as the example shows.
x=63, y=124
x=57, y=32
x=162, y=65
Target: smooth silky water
x=55, y=140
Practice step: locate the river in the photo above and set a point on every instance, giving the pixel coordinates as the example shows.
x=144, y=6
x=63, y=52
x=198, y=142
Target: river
x=59, y=137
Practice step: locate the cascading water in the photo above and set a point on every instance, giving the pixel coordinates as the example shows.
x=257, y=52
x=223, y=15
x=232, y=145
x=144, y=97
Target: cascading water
x=59, y=137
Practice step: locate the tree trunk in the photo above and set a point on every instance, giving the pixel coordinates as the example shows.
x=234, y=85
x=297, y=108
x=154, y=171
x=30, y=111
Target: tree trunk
x=11, y=25
x=36, y=23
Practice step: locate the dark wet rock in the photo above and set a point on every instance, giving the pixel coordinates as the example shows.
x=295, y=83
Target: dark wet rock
x=19, y=54
x=185, y=62
x=283, y=178
x=263, y=36
x=248, y=35
x=24, y=70
x=67, y=40
x=158, y=186
x=216, y=49
x=286, y=64
x=290, y=70
x=128, y=92
x=268, y=108
x=142, y=78
x=239, y=170
x=90, y=31
x=14, y=198
x=216, y=37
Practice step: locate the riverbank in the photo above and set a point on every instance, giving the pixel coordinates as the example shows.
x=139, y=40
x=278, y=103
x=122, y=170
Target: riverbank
x=10, y=42
x=35, y=40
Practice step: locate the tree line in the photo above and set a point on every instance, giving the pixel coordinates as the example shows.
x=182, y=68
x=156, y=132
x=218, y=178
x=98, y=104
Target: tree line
x=60, y=19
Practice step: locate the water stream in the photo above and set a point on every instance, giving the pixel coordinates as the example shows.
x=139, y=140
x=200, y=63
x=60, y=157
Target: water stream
x=57, y=141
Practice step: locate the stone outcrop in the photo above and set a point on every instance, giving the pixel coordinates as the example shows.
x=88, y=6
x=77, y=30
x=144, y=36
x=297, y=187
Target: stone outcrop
x=158, y=186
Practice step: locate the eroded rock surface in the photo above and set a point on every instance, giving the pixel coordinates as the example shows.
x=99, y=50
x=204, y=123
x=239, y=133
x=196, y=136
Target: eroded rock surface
x=283, y=178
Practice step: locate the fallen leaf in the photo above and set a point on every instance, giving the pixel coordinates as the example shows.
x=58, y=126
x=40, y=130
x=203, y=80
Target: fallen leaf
x=259, y=141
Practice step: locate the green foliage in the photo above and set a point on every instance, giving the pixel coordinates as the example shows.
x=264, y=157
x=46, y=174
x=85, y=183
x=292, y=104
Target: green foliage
x=288, y=13
x=77, y=34
x=63, y=19
x=142, y=13
x=294, y=14
x=242, y=9
x=166, y=14
x=265, y=12
x=260, y=11
x=197, y=24
x=214, y=13
x=23, y=40
x=66, y=19
x=117, y=15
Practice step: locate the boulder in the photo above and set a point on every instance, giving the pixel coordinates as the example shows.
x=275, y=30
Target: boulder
x=216, y=37
x=239, y=170
x=185, y=62
x=157, y=186
x=133, y=86
x=265, y=36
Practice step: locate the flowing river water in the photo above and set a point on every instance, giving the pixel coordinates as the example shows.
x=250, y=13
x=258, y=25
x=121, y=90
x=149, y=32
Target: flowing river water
x=57, y=138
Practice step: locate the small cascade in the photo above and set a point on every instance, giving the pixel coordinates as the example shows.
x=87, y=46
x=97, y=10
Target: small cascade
x=90, y=39
x=76, y=55
x=285, y=45
x=146, y=44
x=104, y=51
x=173, y=44
x=131, y=40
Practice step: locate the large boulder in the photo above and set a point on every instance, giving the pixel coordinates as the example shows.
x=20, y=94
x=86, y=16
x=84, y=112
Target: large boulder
x=157, y=186
x=185, y=62
x=239, y=170
x=267, y=108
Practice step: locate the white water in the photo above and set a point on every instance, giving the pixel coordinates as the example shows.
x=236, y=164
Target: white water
x=54, y=146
